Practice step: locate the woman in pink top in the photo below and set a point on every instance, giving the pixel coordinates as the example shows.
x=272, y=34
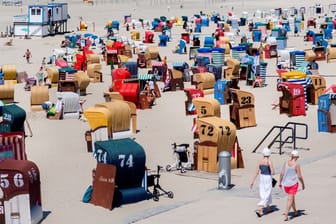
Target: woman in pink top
x=289, y=178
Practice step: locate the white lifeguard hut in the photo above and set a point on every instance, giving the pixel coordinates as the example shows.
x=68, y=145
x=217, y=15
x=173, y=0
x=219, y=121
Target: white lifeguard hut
x=42, y=20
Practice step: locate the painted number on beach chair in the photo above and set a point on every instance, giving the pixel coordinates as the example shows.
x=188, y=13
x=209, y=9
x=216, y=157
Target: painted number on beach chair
x=4, y=182
x=129, y=162
x=7, y=117
x=17, y=179
x=296, y=92
x=323, y=104
x=203, y=110
x=101, y=156
x=226, y=128
x=209, y=130
x=245, y=100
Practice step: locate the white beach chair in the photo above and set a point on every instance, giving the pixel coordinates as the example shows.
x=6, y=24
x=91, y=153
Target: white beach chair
x=71, y=105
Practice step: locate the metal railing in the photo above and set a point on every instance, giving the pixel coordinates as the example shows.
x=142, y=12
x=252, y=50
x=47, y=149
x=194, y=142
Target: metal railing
x=282, y=138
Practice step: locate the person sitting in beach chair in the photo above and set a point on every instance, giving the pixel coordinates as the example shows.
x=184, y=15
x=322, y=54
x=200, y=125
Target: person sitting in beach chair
x=149, y=92
x=167, y=83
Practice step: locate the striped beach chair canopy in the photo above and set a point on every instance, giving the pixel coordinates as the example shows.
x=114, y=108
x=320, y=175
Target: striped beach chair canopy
x=145, y=76
x=12, y=146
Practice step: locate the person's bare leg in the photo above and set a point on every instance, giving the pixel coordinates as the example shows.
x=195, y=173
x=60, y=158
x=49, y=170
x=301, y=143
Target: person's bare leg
x=289, y=205
x=294, y=206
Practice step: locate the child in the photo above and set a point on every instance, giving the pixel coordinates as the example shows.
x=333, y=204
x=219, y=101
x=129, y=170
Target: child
x=40, y=77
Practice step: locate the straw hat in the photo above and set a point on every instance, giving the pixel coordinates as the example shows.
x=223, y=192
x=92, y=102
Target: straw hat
x=266, y=152
x=295, y=153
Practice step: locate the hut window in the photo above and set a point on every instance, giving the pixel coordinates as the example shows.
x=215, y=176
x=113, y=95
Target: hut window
x=57, y=10
x=36, y=11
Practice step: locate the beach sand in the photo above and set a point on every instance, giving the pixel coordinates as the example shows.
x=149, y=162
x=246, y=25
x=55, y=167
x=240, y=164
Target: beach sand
x=58, y=147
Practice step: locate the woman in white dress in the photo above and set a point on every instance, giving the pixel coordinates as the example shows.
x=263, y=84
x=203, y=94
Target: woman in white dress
x=266, y=170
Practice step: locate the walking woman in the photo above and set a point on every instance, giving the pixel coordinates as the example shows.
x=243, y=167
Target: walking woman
x=289, y=178
x=266, y=170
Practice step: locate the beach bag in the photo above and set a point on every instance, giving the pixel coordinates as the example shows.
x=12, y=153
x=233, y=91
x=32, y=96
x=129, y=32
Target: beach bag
x=87, y=195
x=52, y=110
x=274, y=182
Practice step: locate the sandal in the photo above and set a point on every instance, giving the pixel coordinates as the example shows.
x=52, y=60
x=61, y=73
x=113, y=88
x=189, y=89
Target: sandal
x=258, y=214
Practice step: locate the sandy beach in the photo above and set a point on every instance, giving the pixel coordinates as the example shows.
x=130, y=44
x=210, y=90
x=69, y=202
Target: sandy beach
x=59, y=149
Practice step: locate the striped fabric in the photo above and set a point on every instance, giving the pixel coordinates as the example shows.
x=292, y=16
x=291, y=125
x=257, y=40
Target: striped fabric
x=157, y=63
x=299, y=59
x=17, y=142
x=262, y=73
x=69, y=76
x=302, y=82
x=217, y=58
x=309, y=81
x=99, y=134
x=71, y=106
x=237, y=54
x=145, y=76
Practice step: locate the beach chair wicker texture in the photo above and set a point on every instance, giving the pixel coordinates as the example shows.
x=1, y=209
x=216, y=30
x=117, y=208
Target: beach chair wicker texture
x=224, y=132
x=99, y=117
x=232, y=69
x=38, y=95
x=7, y=91
x=206, y=107
x=331, y=54
x=94, y=71
x=205, y=81
x=176, y=79
x=92, y=58
x=9, y=71
x=83, y=81
x=121, y=114
x=315, y=88
x=242, y=111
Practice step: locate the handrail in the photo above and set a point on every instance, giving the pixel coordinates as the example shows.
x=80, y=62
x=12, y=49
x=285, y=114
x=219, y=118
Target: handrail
x=279, y=138
x=282, y=128
x=294, y=137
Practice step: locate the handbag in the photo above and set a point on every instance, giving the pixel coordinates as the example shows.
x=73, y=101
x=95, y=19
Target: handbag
x=274, y=182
